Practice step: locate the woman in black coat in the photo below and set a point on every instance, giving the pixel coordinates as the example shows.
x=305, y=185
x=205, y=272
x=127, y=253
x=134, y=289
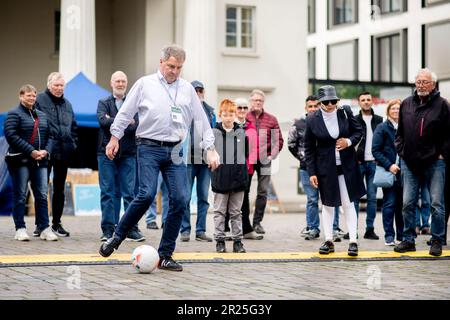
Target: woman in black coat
x=26, y=130
x=331, y=135
x=383, y=149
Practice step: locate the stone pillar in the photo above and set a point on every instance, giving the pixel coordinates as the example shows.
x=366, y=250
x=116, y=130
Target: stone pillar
x=78, y=48
x=200, y=44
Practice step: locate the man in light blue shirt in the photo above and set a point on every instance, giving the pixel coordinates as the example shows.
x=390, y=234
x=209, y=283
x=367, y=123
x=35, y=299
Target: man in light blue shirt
x=166, y=105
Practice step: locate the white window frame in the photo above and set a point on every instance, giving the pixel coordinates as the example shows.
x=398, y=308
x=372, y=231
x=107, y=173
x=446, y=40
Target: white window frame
x=239, y=47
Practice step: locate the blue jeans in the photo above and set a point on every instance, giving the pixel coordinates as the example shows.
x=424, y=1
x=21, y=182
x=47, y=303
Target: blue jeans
x=39, y=185
x=203, y=175
x=423, y=212
x=312, y=204
x=434, y=178
x=392, y=210
x=116, y=177
x=367, y=169
x=152, y=211
x=151, y=160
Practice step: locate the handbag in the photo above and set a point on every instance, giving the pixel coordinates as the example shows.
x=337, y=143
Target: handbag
x=383, y=178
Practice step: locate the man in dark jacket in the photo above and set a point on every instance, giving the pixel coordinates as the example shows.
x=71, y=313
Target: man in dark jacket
x=369, y=122
x=116, y=176
x=198, y=170
x=423, y=144
x=269, y=144
x=63, y=141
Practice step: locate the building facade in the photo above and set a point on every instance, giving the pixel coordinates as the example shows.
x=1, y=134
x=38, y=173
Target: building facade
x=379, y=41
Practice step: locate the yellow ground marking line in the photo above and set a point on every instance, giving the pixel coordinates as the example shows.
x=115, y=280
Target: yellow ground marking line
x=208, y=256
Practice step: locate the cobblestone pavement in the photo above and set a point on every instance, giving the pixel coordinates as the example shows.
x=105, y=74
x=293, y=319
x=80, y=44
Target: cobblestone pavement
x=385, y=280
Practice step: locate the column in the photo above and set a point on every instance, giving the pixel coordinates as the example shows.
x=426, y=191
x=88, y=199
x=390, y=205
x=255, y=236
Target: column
x=200, y=45
x=78, y=49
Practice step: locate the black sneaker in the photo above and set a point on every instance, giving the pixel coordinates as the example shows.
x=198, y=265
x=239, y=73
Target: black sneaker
x=347, y=236
x=37, y=232
x=220, y=247
x=59, y=231
x=135, y=236
x=352, y=249
x=107, y=248
x=152, y=226
x=326, y=248
x=436, y=248
x=405, y=246
x=371, y=235
x=106, y=235
x=259, y=229
x=238, y=247
x=169, y=264
x=313, y=234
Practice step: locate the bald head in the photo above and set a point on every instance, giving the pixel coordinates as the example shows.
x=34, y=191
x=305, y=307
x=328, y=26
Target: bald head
x=119, y=84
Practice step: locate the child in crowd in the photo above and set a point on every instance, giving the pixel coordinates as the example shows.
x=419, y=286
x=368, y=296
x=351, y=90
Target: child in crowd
x=230, y=179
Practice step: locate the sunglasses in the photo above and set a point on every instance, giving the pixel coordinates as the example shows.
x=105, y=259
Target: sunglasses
x=242, y=108
x=327, y=102
x=199, y=90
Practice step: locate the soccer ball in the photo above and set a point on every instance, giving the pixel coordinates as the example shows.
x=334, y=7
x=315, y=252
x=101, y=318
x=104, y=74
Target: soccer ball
x=145, y=259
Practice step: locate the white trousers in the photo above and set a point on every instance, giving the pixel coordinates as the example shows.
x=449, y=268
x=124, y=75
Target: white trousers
x=349, y=211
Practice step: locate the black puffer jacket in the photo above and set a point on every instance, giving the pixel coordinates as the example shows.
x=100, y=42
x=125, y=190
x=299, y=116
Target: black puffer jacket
x=232, y=147
x=63, y=127
x=296, y=141
x=19, y=125
x=423, y=131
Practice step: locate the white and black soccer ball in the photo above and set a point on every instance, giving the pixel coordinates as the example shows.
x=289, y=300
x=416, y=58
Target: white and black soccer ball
x=145, y=259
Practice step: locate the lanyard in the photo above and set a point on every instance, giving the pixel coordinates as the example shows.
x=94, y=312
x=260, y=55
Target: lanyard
x=174, y=101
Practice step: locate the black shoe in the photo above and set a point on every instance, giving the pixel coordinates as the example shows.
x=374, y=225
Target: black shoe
x=220, y=247
x=313, y=234
x=405, y=246
x=436, y=248
x=37, y=232
x=107, y=248
x=135, y=236
x=259, y=229
x=371, y=235
x=326, y=248
x=169, y=264
x=352, y=249
x=429, y=242
x=106, y=235
x=152, y=225
x=238, y=247
x=59, y=231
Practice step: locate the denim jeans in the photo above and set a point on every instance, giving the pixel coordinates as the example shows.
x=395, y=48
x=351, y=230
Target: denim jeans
x=392, y=210
x=152, y=211
x=151, y=160
x=367, y=169
x=116, y=177
x=202, y=173
x=434, y=178
x=39, y=185
x=312, y=204
x=423, y=211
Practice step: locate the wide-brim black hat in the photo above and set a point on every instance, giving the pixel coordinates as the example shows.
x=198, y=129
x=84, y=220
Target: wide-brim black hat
x=327, y=93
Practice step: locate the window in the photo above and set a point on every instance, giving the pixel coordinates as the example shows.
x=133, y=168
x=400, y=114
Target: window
x=311, y=16
x=343, y=61
x=390, y=6
x=390, y=57
x=426, y=3
x=436, y=49
x=312, y=63
x=342, y=12
x=240, y=27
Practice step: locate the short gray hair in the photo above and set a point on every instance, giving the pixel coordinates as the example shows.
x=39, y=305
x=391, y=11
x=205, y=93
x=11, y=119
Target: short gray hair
x=173, y=51
x=240, y=102
x=259, y=92
x=434, y=77
x=53, y=77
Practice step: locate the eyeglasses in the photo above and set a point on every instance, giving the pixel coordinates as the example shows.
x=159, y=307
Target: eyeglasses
x=423, y=82
x=242, y=108
x=258, y=100
x=327, y=102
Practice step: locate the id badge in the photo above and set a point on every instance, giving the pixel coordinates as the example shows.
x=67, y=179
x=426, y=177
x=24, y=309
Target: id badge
x=177, y=115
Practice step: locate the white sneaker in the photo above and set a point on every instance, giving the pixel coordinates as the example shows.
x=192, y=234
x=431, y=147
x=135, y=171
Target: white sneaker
x=49, y=235
x=22, y=235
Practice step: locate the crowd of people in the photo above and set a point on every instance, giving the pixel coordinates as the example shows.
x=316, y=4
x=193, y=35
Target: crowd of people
x=162, y=135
